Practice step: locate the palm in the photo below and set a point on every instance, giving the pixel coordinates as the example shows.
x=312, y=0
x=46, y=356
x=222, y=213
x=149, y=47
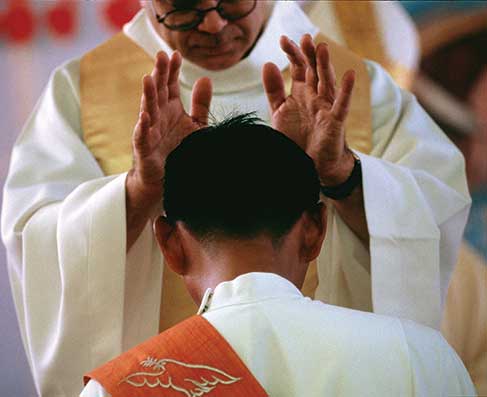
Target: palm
x=175, y=125
x=301, y=114
x=326, y=148
x=292, y=119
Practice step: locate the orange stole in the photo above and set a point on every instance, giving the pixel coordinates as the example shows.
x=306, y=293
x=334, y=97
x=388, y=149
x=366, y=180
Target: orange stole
x=190, y=359
x=110, y=91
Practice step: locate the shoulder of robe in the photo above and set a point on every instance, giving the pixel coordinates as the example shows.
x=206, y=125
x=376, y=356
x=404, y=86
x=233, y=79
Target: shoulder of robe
x=120, y=45
x=117, y=58
x=110, y=90
x=191, y=358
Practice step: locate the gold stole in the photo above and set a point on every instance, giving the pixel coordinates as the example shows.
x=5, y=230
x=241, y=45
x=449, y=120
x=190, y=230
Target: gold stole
x=110, y=91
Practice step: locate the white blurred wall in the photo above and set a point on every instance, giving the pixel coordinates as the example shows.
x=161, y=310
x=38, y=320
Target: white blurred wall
x=24, y=71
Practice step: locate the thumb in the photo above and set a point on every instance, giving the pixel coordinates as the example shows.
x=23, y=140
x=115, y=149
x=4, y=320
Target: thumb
x=201, y=100
x=273, y=86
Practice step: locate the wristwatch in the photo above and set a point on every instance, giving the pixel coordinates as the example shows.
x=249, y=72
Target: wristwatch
x=345, y=189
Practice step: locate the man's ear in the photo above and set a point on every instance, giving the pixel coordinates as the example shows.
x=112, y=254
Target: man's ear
x=314, y=229
x=169, y=240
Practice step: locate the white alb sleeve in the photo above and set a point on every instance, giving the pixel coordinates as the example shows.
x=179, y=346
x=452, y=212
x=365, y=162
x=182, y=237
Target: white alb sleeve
x=436, y=369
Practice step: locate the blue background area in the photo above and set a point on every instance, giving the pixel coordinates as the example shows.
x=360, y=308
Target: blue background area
x=476, y=229
x=418, y=8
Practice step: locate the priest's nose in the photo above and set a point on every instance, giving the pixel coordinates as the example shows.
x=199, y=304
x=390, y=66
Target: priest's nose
x=213, y=23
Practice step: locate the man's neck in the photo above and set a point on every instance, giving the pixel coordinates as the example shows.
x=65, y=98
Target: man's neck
x=226, y=262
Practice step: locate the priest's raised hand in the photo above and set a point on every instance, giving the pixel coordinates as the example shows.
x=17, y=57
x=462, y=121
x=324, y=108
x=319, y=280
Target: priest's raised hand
x=314, y=116
x=162, y=125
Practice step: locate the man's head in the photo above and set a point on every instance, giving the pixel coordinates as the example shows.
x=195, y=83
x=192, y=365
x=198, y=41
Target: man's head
x=217, y=42
x=239, y=197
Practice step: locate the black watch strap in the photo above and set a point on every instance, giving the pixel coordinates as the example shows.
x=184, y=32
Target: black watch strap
x=345, y=189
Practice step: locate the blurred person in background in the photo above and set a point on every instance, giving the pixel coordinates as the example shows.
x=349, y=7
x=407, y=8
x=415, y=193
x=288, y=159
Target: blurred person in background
x=80, y=224
x=452, y=85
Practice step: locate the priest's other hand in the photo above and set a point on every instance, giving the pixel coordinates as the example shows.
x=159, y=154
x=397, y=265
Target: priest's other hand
x=162, y=125
x=314, y=114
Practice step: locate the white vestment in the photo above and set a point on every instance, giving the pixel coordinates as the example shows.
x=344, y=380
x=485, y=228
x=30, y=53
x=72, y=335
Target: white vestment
x=326, y=350
x=81, y=300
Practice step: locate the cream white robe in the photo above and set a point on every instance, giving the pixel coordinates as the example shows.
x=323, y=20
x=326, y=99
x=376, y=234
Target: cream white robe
x=81, y=301
x=326, y=350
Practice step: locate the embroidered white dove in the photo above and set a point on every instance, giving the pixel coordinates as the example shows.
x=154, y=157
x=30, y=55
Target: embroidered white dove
x=161, y=376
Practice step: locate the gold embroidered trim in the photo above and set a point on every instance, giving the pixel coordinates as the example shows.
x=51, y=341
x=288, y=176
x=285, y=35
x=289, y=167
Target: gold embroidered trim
x=163, y=378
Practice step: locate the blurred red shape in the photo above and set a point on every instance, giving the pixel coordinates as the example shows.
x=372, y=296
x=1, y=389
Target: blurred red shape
x=3, y=21
x=61, y=19
x=119, y=12
x=19, y=22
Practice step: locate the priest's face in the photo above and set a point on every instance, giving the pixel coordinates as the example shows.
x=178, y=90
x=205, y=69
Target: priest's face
x=215, y=43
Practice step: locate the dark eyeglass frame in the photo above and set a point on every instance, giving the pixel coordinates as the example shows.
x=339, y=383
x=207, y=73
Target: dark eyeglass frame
x=200, y=16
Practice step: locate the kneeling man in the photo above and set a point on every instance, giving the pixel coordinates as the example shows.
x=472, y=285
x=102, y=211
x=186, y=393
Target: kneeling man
x=243, y=221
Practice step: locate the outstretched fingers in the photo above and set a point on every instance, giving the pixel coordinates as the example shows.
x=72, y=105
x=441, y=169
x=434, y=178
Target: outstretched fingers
x=149, y=102
x=342, y=104
x=296, y=58
x=326, y=73
x=273, y=86
x=201, y=100
x=309, y=51
x=173, y=79
x=160, y=76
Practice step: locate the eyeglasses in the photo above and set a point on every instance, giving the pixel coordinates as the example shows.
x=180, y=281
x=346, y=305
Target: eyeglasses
x=183, y=19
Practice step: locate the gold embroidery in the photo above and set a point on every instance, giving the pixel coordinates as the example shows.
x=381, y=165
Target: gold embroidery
x=209, y=377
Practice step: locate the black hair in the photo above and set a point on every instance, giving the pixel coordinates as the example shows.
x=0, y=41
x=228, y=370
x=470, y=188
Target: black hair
x=239, y=179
